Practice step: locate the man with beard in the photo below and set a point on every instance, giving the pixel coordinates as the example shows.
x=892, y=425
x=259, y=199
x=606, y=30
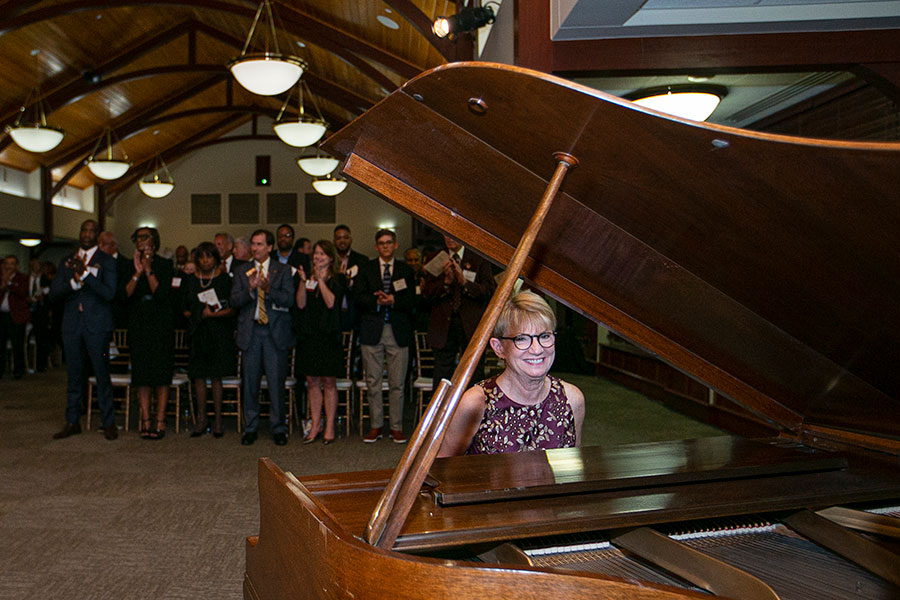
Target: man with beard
x=284, y=251
x=86, y=282
x=108, y=244
x=350, y=261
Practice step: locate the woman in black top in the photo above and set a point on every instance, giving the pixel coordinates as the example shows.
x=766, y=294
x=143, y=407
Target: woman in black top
x=320, y=354
x=212, y=324
x=151, y=333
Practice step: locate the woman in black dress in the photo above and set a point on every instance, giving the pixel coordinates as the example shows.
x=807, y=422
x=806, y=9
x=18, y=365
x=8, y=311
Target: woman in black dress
x=151, y=333
x=320, y=353
x=212, y=326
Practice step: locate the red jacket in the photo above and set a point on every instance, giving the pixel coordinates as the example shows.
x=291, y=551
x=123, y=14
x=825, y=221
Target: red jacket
x=18, y=298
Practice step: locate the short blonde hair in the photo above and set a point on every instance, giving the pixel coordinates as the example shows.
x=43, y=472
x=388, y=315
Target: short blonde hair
x=525, y=308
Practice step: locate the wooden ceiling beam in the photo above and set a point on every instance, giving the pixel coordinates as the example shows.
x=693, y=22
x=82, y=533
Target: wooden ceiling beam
x=296, y=22
x=423, y=24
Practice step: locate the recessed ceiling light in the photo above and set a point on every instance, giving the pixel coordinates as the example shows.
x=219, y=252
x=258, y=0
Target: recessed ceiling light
x=301, y=44
x=387, y=22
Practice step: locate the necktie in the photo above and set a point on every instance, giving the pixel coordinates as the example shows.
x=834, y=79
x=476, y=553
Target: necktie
x=386, y=287
x=261, y=316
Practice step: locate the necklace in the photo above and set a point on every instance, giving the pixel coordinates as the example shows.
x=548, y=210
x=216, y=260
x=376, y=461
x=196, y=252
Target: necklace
x=208, y=281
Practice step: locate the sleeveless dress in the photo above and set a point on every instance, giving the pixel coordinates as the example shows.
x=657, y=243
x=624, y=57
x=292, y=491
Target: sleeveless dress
x=508, y=426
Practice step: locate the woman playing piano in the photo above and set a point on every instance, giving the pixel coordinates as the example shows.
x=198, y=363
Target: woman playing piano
x=523, y=408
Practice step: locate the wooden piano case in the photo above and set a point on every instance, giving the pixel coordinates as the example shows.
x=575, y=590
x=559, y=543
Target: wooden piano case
x=764, y=266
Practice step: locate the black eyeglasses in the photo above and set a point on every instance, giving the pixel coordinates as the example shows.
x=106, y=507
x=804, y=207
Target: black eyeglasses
x=523, y=341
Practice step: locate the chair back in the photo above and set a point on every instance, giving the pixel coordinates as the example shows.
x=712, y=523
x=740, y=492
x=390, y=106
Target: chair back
x=424, y=356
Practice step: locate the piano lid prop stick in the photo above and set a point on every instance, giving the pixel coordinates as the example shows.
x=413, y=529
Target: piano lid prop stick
x=415, y=463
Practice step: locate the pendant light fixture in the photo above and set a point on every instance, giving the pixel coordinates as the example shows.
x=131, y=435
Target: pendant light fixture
x=266, y=73
x=304, y=130
x=688, y=101
x=107, y=167
x=328, y=185
x=157, y=182
x=35, y=135
x=317, y=165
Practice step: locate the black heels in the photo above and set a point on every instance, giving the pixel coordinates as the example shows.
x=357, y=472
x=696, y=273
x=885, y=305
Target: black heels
x=159, y=433
x=200, y=432
x=145, y=429
x=326, y=441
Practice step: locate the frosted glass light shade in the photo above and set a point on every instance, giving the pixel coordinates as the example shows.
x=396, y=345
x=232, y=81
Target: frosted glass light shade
x=267, y=74
x=329, y=186
x=30, y=242
x=697, y=106
x=317, y=166
x=156, y=189
x=35, y=137
x=301, y=133
x=108, y=169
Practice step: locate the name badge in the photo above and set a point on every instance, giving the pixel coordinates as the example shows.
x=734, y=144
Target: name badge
x=418, y=290
x=352, y=271
x=469, y=275
x=399, y=285
x=311, y=284
x=176, y=282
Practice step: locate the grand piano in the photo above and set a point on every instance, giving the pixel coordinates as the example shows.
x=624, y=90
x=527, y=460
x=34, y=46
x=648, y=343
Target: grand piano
x=766, y=267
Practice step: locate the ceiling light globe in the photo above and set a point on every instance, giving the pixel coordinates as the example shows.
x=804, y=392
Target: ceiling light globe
x=300, y=134
x=156, y=189
x=35, y=137
x=267, y=74
x=317, y=166
x=697, y=106
x=329, y=186
x=108, y=169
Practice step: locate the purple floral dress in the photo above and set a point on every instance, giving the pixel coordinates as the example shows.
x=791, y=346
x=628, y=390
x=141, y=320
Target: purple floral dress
x=508, y=426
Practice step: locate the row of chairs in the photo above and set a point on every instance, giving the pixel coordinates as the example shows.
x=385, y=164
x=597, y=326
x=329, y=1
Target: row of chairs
x=351, y=392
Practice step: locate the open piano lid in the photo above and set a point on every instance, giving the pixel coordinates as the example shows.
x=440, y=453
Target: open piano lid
x=765, y=266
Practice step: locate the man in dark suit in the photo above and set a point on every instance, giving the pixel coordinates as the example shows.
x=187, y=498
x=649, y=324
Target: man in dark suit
x=349, y=263
x=224, y=243
x=14, y=314
x=458, y=297
x=384, y=292
x=285, y=252
x=86, y=281
x=262, y=295
x=108, y=244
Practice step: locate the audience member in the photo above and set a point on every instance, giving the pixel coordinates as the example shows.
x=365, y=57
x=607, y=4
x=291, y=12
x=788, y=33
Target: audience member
x=457, y=298
x=284, y=251
x=413, y=258
x=349, y=262
x=182, y=257
x=262, y=295
x=86, y=283
x=14, y=314
x=108, y=244
x=523, y=408
x=151, y=334
x=225, y=245
x=320, y=353
x=241, y=250
x=212, y=325
x=39, y=303
x=304, y=246
x=384, y=292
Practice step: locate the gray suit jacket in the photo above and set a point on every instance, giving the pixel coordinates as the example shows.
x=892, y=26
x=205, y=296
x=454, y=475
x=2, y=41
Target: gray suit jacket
x=278, y=301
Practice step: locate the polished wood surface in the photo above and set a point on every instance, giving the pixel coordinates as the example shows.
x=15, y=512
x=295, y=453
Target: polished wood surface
x=485, y=478
x=697, y=242
x=303, y=552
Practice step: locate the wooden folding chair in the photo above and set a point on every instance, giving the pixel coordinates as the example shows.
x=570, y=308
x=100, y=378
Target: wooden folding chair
x=423, y=383
x=119, y=375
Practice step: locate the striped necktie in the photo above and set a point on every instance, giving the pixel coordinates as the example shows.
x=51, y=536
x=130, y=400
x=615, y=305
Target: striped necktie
x=261, y=316
x=386, y=287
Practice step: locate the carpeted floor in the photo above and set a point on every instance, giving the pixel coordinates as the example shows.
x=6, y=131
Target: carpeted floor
x=87, y=518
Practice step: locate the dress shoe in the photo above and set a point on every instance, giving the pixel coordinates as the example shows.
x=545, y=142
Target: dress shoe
x=69, y=429
x=280, y=439
x=326, y=441
x=199, y=432
x=248, y=438
x=310, y=440
x=111, y=433
x=398, y=436
x=373, y=436
x=217, y=434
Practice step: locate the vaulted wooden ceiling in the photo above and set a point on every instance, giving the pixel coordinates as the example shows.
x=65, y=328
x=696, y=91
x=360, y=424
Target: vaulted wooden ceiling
x=156, y=71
